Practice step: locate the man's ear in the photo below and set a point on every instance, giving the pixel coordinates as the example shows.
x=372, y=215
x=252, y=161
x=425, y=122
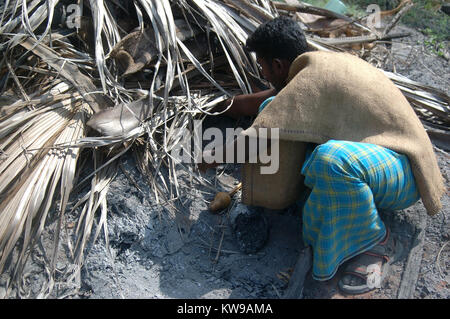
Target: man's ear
x=277, y=64
x=280, y=65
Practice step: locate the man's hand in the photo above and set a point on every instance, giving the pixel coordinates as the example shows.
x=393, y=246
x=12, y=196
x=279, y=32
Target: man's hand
x=245, y=104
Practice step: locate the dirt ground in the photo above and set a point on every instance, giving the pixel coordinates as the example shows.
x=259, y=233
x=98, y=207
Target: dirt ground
x=157, y=253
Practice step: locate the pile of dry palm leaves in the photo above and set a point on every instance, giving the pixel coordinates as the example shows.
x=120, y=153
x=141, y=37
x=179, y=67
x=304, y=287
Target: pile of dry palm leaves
x=137, y=71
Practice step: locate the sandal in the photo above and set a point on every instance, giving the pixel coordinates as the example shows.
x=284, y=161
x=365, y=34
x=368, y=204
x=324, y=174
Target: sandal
x=366, y=271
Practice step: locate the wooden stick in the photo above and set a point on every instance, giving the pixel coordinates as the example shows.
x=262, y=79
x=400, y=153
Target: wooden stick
x=411, y=272
x=360, y=39
x=301, y=7
x=250, y=11
x=234, y=190
x=297, y=281
x=396, y=18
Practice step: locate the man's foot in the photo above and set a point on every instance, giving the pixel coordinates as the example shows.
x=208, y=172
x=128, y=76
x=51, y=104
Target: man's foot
x=250, y=228
x=366, y=271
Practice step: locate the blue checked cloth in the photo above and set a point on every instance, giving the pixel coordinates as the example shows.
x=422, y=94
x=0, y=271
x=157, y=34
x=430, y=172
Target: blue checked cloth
x=348, y=182
x=264, y=104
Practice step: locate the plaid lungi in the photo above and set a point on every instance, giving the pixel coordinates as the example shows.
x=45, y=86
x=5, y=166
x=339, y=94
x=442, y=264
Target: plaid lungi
x=348, y=182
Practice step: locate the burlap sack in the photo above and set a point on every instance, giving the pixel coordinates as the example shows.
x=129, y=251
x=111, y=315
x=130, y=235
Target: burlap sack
x=339, y=96
x=275, y=191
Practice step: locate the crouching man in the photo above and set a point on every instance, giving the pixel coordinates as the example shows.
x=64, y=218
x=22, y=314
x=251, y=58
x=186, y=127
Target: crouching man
x=366, y=150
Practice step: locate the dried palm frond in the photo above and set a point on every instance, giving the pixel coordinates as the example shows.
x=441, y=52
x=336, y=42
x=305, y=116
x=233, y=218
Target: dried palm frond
x=31, y=172
x=425, y=97
x=56, y=80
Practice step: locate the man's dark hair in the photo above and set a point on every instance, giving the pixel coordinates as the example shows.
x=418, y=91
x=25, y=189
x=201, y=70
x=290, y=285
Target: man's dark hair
x=280, y=38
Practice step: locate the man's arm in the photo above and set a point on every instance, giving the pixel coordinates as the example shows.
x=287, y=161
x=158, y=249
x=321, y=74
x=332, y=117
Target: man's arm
x=245, y=104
